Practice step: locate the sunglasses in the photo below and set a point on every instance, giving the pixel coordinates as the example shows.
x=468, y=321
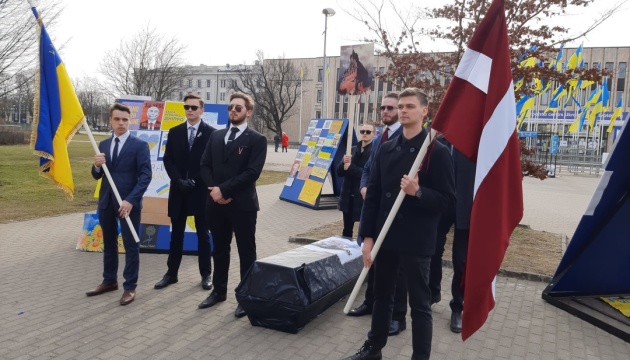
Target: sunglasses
x=238, y=108
x=388, y=107
x=365, y=132
x=191, y=107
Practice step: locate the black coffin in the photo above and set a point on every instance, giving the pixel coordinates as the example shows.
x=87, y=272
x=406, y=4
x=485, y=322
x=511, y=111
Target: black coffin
x=286, y=291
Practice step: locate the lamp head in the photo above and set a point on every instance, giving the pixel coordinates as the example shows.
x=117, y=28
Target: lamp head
x=328, y=12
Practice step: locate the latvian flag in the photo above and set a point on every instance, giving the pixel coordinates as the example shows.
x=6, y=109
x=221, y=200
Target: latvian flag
x=478, y=116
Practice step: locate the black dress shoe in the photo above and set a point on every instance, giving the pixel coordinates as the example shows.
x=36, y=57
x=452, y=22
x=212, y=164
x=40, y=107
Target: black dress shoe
x=240, y=312
x=456, y=322
x=166, y=281
x=212, y=300
x=206, y=282
x=360, y=310
x=396, y=327
x=367, y=352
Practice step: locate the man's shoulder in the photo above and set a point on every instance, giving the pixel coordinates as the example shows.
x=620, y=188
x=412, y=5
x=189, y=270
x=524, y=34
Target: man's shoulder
x=255, y=134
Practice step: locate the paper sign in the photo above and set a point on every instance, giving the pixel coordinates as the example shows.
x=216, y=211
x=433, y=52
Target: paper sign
x=335, y=127
x=319, y=172
x=174, y=114
x=310, y=191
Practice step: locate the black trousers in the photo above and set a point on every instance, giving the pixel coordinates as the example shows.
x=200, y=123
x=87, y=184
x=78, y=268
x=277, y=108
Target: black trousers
x=416, y=272
x=348, y=221
x=224, y=221
x=400, y=294
x=204, y=246
x=460, y=251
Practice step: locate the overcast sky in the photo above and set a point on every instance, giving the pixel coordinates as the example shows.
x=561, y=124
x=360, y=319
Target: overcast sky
x=220, y=32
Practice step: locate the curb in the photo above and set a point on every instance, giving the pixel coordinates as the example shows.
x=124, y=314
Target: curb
x=449, y=263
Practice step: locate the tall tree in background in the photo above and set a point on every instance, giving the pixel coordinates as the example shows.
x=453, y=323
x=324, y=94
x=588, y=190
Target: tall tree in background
x=453, y=25
x=275, y=86
x=94, y=100
x=148, y=63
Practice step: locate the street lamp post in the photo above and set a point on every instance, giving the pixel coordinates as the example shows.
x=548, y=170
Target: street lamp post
x=327, y=12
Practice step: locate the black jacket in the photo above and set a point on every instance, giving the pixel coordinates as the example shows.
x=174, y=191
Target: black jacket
x=234, y=169
x=350, y=195
x=414, y=228
x=182, y=163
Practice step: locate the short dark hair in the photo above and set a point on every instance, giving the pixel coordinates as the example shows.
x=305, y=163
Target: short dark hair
x=120, y=107
x=193, y=96
x=412, y=91
x=392, y=95
x=249, y=102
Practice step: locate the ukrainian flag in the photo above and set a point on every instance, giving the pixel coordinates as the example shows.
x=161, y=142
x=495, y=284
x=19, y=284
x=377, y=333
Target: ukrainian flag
x=57, y=114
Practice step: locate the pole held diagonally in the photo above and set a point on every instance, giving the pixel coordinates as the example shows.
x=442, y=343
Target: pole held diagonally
x=390, y=218
x=111, y=181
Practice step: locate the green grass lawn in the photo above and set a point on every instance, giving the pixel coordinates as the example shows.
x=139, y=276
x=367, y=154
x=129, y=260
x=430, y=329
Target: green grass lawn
x=26, y=195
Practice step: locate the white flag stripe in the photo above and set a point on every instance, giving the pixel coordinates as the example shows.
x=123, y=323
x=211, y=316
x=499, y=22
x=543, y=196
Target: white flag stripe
x=475, y=68
x=495, y=136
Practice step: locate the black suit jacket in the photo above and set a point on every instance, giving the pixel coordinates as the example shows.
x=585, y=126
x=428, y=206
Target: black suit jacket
x=236, y=168
x=132, y=173
x=352, y=179
x=414, y=228
x=181, y=162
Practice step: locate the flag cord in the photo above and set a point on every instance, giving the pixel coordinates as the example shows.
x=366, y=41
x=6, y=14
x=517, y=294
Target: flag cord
x=390, y=218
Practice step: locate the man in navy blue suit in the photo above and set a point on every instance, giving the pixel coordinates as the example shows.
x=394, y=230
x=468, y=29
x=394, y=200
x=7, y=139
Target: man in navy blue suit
x=129, y=164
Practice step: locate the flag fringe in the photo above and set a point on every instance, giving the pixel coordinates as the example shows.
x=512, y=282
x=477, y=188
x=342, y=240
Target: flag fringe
x=44, y=173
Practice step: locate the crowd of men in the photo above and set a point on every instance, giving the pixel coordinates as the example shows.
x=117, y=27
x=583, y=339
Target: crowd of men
x=213, y=177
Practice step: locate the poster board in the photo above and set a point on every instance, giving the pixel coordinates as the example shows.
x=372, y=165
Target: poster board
x=317, y=156
x=155, y=227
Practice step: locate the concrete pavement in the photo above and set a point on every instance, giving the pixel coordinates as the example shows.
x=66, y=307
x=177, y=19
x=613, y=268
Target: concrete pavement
x=44, y=313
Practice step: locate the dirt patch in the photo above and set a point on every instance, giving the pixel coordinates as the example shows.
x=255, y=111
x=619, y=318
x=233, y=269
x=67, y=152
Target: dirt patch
x=530, y=251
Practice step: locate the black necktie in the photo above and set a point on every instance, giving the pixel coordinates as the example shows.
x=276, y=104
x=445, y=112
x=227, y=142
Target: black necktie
x=115, y=154
x=232, y=136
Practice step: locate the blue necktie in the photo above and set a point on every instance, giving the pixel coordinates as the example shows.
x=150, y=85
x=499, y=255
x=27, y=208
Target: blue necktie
x=115, y=154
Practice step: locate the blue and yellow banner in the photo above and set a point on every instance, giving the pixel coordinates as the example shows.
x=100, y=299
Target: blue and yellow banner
x=57, y=114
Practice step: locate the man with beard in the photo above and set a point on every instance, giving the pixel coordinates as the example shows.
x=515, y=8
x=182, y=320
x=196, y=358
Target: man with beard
x=231, y=164
x=187, y=196
x=389, y=117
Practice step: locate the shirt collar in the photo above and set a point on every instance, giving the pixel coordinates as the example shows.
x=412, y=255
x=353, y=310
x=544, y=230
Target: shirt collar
x=196, y=126
x=122, y=137
x=241, y=127
x=392, y=128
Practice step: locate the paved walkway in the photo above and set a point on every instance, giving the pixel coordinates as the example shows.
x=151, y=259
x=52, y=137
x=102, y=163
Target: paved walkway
x=44, y=313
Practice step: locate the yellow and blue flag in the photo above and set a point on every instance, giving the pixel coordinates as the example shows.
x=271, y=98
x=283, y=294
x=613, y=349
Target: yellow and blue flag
x=57, y=114
x=617, y=114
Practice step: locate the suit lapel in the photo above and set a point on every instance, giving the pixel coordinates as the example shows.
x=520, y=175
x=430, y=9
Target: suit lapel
x=236, y=145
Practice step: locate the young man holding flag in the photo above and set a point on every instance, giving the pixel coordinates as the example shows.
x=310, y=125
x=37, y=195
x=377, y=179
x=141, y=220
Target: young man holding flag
x=411, y=239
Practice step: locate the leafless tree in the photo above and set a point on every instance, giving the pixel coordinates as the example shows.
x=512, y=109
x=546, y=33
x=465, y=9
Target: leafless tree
x=19, y=37
x=275, y=86
x=148, y=63
x=94, y=100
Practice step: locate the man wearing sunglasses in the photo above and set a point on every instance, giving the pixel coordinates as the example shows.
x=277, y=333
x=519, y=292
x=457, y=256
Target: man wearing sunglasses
x=231, y=164
x=187, y=194
x=351, y=168
x=389, y=117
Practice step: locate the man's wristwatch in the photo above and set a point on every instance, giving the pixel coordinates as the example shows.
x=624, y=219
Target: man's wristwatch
x=419, y=193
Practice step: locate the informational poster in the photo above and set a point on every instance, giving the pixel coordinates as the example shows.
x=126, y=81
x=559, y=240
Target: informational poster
x=356, y=69
x=314, y=161
x=174, y=114
x=152, y=112
x=136, y=107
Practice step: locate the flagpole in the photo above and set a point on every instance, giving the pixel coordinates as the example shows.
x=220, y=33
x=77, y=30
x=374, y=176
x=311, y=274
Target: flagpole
x=111, y=181
x=390, y=218
x=351, y=107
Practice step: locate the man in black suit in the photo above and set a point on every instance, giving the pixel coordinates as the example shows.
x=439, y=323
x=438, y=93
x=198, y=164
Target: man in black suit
x=129, y=164
x=187, y=195
x=389, y=117
x=410, y=241
x=231, y=164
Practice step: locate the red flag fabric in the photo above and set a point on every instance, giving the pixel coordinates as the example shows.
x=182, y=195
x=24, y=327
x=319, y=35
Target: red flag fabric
x=478, y=116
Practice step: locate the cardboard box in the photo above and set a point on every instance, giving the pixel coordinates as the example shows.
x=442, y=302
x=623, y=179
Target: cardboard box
x=155, y=205
x=155, y=219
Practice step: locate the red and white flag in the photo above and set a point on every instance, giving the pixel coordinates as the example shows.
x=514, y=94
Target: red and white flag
x=478, y=116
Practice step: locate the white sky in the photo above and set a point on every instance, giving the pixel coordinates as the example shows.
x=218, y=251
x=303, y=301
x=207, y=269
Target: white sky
x=218, y=32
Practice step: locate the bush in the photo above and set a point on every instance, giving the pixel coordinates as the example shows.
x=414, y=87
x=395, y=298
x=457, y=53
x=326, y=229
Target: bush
x=13, y=135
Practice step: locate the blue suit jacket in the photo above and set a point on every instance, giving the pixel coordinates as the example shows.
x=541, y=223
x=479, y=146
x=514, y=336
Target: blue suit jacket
x=131, y=174
x=368, y=165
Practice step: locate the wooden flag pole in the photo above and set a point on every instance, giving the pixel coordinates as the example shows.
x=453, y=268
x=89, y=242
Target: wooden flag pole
x=351, y=107
x=390, y=218
x=109, y=178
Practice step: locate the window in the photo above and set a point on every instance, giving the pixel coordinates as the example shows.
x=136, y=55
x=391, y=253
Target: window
x=198, y=83
x=222, y=95
x=208, y=82
x=208, y=95
x=189, y=82
x=318, y=114
x=181, y=82
x=181, y=95
x=320, y=75
x=345, y=99
x=233, y=82
x=345, y=115
x=319, y=96
x=544, y=99
x=621, y=76
x=223, y=85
